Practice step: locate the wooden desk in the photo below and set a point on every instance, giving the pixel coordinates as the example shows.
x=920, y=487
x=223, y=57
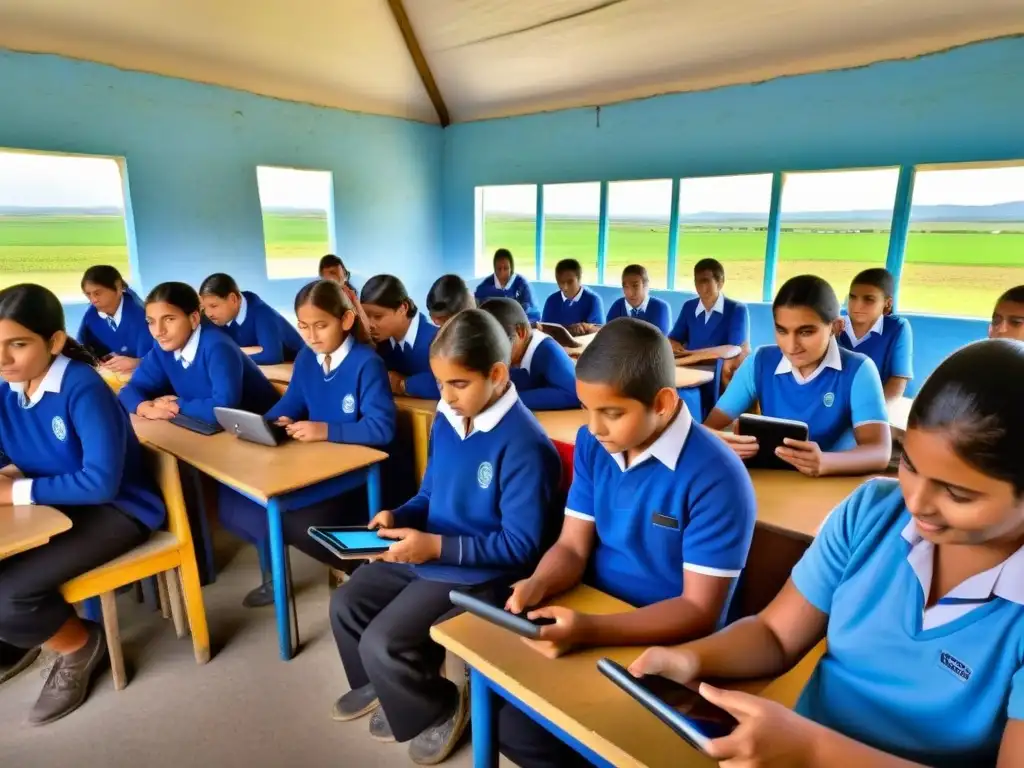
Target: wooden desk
x=114, y=380
x=562, y=426
x=280, y=373
x=573, y=695
x=688, y=378
x=899, y=412
x=710, y=354
x=797, y=505
x=269, y=476
x=24, y=528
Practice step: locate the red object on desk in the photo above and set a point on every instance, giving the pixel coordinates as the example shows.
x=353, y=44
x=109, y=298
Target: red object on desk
x=566, y=451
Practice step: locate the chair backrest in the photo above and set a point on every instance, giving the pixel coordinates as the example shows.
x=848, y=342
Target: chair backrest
x=164, y=468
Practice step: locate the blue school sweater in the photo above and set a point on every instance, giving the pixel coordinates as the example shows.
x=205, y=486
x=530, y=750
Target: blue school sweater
x=586, y=307
x=653, y=310
x=488, y=495
x=413, y=363
x=890, y=344
x=126, y=333
x=354, y=399
x=260, y=325
x=546, y=377
x=76, y=444
x=219, y=374
x=728, y=323
x=518, y=288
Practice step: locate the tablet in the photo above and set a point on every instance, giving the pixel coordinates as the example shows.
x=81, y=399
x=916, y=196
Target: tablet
x=349, y=542
x=770, y=433
x=681, y=708
x=560, y=334
x=514, y=622
x=250, y=426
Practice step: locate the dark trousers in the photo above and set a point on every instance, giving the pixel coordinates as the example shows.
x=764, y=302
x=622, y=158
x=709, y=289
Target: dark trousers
x=31, y=606
x=530, y=745
x=381, y=620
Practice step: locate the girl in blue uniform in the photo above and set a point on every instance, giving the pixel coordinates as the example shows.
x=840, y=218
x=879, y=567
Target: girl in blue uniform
x=402, y=335
x=506, y=283
x=65, y=442
x=114, y=327
x=806, y=376
x=918, y=586
x=259, y=329
x=448, y=296
x=333, y=268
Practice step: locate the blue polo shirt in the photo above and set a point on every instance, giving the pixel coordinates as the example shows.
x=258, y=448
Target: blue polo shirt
x=653, y=310
x=585, y=307
x=517, y=288
x=937, y=691
x=686, y=503
x=844, y=392
x=727, y=322
x=889, y=344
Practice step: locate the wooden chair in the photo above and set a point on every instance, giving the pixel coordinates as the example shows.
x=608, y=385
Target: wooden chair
x=167, y=555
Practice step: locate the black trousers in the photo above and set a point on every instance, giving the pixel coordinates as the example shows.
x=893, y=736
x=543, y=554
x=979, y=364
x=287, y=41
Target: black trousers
x=530, y=745
x=31, y=606
x=381, y=620
x=347, y=509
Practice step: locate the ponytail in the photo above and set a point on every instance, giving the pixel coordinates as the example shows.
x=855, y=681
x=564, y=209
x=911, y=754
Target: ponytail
x=75, y=351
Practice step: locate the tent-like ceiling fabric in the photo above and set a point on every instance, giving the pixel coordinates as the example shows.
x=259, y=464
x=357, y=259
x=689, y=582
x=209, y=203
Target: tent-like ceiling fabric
x=493, y=58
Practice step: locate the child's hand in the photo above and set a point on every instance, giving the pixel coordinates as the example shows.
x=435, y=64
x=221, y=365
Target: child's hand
x=525, y=594
x=413, y=547
x=556, y=639
x=397, y=383
x=121, y=364
x=744, y=446
x=283, y=421
x=156, y=411
x=804, y=455
x=166, y=399
x=383, y=519
x=307, y=431
x=577, y=329
x=682, y=666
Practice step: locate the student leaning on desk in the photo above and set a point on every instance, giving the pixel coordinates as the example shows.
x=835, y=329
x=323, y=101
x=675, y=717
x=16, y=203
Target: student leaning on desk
x=918, y=585
x=660, y=514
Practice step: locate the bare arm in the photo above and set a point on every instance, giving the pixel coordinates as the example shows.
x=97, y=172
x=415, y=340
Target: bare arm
x=894, y=388
x=717, y=420
x=874, y=448
x=561, y=568
x=1011, y=750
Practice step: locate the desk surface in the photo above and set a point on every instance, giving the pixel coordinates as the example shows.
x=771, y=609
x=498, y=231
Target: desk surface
x=258, y=470
x=416, y=405
x=723, y=352
x=571, y=693
x=280, y=372
x=797, y=505
x=559, y=425
x=899, y=412
x=23, y=528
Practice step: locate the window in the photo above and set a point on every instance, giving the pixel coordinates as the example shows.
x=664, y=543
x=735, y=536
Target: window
x=835, y=224
x=638, y=219
x=297, y=219
x=571, y=213
x=966, y=240
x=725, y=218
x=508, y=219
x=60, y=215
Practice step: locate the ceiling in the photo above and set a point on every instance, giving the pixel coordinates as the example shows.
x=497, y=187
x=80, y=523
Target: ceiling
x=494, y=58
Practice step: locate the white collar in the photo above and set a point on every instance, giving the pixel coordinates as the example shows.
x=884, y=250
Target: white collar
x=188, y=352
x=718, y=306
x=1005, y=580
x=667, y=447
x=487, y=419
x=51, y=382
x=117, y=315
x=243, y=309
x=338, y=355
x=848, y=330
x=575, y=298
x=536, y=338
x=507, y=283
x=642, y=308
x=833, y=359
x=410, y=335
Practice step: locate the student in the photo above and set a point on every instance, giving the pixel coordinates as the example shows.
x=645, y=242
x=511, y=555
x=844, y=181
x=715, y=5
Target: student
x=333, y=268
x=505, y=283
x=403, y=336
x=871, y=329
x=448, y=296
x=637, y=300
x=575, y=306
x=918, y=585
x=711, y=320
x=193, y=367
x=114, y=326
x=477, y=524
x=808, y=377
x=1008, y=316
x=259, y=329
x=542, y=371
x=660, y=514
x=65, y=442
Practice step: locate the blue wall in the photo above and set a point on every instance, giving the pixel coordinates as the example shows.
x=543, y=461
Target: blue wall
x=192, y=150
x=956, y=106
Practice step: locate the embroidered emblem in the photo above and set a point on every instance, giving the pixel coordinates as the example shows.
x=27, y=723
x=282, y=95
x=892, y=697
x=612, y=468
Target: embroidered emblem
x=954, y=666
x=60, y=429
x=348, y=404
x=828, y=399
x=484, y=475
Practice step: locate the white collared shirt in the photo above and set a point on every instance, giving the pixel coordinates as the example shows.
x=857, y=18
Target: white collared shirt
x=718, y=306
x=410, y=335
x=21, y=489
x=243, y=309
x=337, y=356
x=116, y=317
x=630, y=309
x=848, y=330
x=506, y=284
x=187, y=354
x=536, y=338
x=575, y=298
x=833, y=359
x=484, y=421
x=667, y=447
x=1005, y=580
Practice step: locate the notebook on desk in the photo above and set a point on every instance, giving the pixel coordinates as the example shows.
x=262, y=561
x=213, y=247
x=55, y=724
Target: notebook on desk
x=560, y=334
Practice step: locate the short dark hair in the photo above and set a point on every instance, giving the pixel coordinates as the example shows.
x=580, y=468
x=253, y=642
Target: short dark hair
x=631, y=355
x=876, y=277
x=474, y=340
x=448, y=296
x=220, y=285
x=330, y=260
x=40, y=311
x=982, y=413
x=569, y=265
x=180, y=295
x=387, y=291
x=327, y=296
x=714, y=266
x=808, y=291
x=509, y=313
x=1015, y=294
x=504, y=253
x=105, y=275
x=637, y=270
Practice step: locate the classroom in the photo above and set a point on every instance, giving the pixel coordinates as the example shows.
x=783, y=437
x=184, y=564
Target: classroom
x=391, y=184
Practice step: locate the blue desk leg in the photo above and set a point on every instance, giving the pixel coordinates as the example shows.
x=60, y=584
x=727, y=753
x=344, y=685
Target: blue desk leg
x=373, y=489
x=278, y=568
x=483, y=721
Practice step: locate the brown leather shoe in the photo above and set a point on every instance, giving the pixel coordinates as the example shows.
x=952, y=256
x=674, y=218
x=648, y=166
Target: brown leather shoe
x=67, y=686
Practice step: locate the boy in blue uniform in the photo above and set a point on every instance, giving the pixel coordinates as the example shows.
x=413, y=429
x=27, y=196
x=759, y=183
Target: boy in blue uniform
x=259, y=329
x=1008, y=316
x=575, y=306
x=918, y=585
x=477, y=524
x=660, y=514
x=873, y=330
x=806, y=376
x=448, y=296
x=542, y=370
x=711, y=320
x=505, y=283
x=114, y=326
x=637, y=300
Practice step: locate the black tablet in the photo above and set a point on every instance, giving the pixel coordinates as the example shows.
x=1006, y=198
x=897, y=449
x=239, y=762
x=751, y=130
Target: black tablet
x=195, y=425
x=518, y=623
x=681, y=708
x=349, y=542
x=770, y=433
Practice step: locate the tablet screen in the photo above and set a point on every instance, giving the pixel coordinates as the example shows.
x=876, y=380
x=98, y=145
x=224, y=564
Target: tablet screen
x=712, y=721
x=359, y=539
